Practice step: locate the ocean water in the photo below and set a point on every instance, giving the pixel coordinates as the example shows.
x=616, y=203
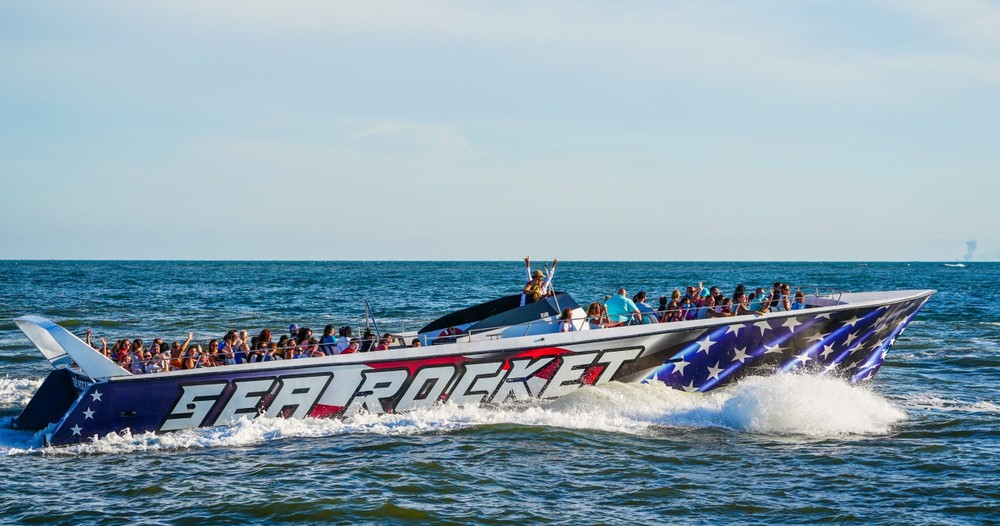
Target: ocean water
x=918, y=445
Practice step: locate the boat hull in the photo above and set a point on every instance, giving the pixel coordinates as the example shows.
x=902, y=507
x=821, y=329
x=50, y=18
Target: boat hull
x=850, y=341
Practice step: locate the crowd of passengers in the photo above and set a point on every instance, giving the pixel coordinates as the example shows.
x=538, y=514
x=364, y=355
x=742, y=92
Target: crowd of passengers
x=239, y=347
x=697, y=303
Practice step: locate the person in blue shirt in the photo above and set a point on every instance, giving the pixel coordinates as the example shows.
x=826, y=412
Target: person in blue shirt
x=800, y=301
x=647, y=310
x=621, y=309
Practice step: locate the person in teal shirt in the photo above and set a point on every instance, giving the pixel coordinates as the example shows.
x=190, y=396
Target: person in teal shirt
x=620, y=309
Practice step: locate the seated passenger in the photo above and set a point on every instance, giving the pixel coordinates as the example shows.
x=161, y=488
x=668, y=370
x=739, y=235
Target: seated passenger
x=786, y=297
x=313, y=351
x=621, y=310
x=368, y=340
x=328, y=343
x=270, y=353
x=687, y=308
x=596, y=319
x=352, y=347
x=774, y=300
x=385, y=343
x=566, y=321
x=291, y=347
x=742, y=306
x=345, y=338
x=694, y=293
x=648, y=313
x=800, y=301
x=415, y=342
x=190, y=357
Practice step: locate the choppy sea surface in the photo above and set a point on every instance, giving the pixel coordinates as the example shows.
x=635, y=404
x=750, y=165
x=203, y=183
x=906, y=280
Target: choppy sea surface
x=918, y=445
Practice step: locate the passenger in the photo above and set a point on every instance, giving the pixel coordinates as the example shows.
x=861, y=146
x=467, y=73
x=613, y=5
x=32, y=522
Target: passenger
x=345, y=338
x=153, y=361
x=596, y=318
x=716, y=295
x=648, y=314
x=138, y=358
x=305, y=334
x=740, y=289
x=212, y=352
x=800, y=301
x=693, y=293
x=415, y=342
x=177, y=351
x=293, y=331
x=270, y=353
x=538, y=283
x=662, y=309
x=688, y=311
x=703, y=307
x=774, y=300
x=786, y=297
x=263, y=340
x=328, y=343
x=313, y=350
x=672, y=312
x=755, y=301
x=225, y=353
x=206, y=360
x=368, y=340
x=191, y=357
x=385, y=343
x=566, y=321
x=741, y=306
x=727, y=306
x=352, y=347
x=621, y=310
x=291, y=347
x=242, y=351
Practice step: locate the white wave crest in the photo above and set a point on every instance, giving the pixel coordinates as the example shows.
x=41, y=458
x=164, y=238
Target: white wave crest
x=944, y=404
x=15, y=392
x=789, y=404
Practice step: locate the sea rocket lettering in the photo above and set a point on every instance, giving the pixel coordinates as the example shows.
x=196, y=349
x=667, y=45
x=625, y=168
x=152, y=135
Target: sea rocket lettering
x=392, y=390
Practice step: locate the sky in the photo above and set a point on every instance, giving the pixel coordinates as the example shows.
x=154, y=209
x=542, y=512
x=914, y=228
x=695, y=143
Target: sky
x=320, y=130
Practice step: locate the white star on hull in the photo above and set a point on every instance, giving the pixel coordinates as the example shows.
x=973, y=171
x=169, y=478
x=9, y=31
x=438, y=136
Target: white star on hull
x=705, y=344
x=741, y=355
x=791, y=323
x=773, y=349
x=679, y=367
x=88, y=414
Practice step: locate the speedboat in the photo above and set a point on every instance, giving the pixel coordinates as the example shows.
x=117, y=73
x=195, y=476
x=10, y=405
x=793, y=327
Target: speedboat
x=492, y=353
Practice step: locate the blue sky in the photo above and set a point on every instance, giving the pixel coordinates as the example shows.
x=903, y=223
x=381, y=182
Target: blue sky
x=771, y=130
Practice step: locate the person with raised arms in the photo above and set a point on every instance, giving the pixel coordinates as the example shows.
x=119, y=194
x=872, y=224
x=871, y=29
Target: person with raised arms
x=538, y=282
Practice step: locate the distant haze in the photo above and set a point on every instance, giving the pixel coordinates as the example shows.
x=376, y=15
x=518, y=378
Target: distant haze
x=485, y=131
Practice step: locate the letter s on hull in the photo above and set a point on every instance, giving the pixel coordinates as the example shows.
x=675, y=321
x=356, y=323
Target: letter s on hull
x=192, y=406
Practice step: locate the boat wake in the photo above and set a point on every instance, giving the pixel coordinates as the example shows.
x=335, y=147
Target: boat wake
x=788, y=404
x=15, y=392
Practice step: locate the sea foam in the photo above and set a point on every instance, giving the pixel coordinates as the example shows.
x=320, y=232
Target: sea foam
x=787, y=405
